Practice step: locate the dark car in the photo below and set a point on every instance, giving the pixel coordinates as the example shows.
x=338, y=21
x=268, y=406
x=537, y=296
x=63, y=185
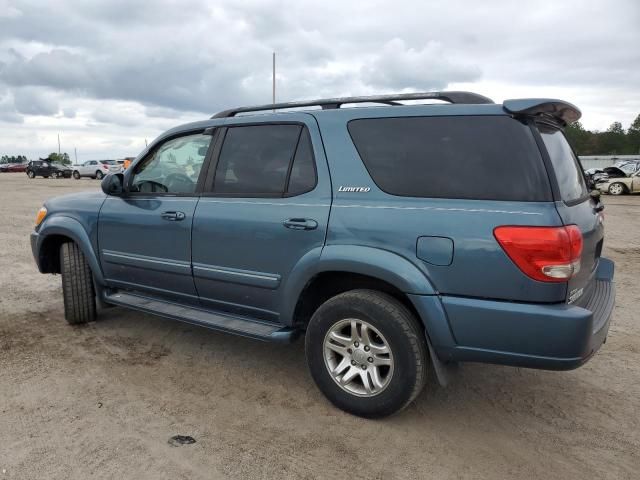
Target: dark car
x=46, y=169
x=395, y=238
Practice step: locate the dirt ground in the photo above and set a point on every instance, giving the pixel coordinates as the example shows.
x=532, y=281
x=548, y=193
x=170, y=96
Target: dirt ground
x=101, y=401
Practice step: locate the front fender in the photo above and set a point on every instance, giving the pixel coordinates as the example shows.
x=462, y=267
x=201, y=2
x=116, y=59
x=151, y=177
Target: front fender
x=73, y=229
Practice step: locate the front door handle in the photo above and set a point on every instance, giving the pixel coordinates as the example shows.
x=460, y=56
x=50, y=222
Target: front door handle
x=173, y=216
x=301, y=224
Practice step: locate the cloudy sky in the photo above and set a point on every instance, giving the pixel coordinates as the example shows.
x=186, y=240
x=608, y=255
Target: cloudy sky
x=108, y=74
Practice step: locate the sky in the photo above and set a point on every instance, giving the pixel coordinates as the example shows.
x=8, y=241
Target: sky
x=108, y=75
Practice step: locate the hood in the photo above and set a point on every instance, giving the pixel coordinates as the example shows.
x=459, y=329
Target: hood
x=60, y=167
x=614, y=172
x=76, y=202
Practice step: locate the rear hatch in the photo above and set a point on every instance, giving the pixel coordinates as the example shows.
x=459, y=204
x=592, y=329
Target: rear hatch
x=575, y=207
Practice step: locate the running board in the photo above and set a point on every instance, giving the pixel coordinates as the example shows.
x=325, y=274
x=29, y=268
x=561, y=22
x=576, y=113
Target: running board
x=216, y=321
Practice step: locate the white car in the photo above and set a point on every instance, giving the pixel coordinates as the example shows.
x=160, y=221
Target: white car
x=620, y=183
x=96, y=169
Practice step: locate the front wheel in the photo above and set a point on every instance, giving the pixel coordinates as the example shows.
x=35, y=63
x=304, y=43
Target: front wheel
x=77, y=285
x=617, y=188
x=367, y=353
x=31, y=174
x=99, y=175
x=76, y=175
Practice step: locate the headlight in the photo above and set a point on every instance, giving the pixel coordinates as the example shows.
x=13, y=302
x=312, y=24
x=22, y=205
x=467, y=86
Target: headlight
x=40, y=216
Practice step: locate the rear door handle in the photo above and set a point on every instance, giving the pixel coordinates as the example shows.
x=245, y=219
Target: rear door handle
x=173, y=216
x=301, y=224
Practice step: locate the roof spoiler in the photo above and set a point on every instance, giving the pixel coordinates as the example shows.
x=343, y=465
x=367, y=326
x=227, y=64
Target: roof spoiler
x=557, y=110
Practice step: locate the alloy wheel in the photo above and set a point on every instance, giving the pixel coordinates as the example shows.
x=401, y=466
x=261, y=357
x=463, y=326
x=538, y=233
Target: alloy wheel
x=358, y=357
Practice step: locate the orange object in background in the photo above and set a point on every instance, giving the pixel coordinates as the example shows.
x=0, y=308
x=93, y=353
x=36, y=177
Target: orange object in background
x=127, y=162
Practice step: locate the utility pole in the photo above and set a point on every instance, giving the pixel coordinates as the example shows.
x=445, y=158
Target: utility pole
x=75, y=150
x=58, y=144
x=274, y=81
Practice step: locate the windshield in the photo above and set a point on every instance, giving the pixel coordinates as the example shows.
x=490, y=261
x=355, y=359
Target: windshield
x=568, y=173
x=108, y=162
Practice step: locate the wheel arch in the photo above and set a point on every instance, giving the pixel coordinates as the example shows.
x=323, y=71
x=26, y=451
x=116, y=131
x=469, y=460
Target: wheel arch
x=60, y=229
x=338, y=268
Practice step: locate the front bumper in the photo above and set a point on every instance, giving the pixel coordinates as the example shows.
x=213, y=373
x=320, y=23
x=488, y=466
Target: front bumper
x=554, y=337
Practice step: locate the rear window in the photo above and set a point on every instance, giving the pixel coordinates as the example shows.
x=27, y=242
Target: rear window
x=568, y=173
x=468, y=157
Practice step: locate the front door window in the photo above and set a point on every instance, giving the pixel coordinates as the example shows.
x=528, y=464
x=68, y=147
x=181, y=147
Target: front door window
x=174, y=167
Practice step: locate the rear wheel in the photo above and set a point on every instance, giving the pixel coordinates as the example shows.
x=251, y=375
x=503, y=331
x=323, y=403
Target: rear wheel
x=99, y=175
x=367, y=353
x=76, y=175
x=617, y=188
x=77, y=285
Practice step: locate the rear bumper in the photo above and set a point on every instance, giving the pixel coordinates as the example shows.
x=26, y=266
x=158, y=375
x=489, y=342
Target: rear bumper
x=553, y=337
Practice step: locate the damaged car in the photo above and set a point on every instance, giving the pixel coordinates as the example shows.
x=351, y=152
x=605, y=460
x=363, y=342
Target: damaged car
x=618, y=182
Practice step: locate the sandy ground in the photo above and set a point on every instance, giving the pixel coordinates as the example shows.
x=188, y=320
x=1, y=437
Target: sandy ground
x=101, y=401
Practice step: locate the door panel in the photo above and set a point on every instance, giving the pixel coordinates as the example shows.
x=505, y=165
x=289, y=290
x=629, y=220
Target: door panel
x=245, y=247
x=140, y=249
x=243, y=253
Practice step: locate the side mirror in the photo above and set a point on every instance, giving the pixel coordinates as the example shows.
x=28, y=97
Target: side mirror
x=113, y=184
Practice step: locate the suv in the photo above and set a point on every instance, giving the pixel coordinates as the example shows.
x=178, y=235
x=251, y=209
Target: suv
x=46, y=169
x=398, y=238
x=96, y=169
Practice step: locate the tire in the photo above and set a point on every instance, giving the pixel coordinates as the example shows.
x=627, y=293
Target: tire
x=99, y=175
x=617, y=188
x=76, y=175
x=77, y=285
x=31, y=174
x=388, y=323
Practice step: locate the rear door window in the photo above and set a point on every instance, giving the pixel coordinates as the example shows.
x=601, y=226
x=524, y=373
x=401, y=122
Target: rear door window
x=467, y=157
x=265, y=160
x=566, y=167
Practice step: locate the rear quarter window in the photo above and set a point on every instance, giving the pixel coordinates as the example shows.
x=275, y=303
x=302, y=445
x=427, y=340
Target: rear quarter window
x=466, y=157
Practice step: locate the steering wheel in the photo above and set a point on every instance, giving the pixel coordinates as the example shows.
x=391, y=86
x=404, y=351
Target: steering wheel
x=181, y=179
x=149, y=186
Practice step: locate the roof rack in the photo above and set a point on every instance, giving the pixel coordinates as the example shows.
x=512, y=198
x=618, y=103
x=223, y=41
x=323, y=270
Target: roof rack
x=333, y=103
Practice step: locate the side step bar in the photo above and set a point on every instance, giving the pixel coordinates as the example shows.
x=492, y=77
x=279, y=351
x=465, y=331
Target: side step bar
x=217, y=321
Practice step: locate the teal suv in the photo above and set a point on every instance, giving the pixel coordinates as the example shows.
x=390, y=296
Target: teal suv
x=397, y=238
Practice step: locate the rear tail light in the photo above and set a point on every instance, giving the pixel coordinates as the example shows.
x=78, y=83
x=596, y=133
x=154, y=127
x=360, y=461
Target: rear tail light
x=547, y=254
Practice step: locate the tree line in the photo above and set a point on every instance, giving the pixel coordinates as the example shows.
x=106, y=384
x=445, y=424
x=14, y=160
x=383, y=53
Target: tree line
x=613, y=141
x=53, y=157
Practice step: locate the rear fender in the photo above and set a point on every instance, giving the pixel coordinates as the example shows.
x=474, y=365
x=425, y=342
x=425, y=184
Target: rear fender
x=373, y=262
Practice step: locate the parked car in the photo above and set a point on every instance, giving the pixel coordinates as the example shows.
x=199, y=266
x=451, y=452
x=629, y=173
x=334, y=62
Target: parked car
x=16, y=167
x=618, y=182
x=96, y=169
x=344, y=224
x=46, y=169
x=12, y=167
